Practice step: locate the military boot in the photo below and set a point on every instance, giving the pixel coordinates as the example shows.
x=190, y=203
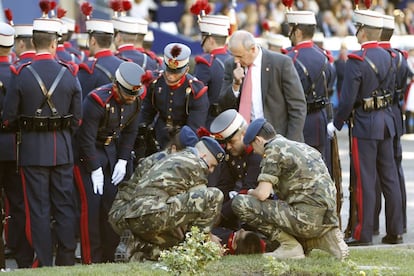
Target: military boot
x=289, y=248
x=331, y=242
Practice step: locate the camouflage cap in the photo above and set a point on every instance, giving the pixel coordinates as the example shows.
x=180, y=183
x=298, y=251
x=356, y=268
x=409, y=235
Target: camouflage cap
x=253, y=129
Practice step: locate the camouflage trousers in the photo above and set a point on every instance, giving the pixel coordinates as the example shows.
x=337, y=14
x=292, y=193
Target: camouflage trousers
x=199, y=208
x=274, y=216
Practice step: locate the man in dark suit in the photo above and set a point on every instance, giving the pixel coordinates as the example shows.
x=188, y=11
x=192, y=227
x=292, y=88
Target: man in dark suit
x=278, y=96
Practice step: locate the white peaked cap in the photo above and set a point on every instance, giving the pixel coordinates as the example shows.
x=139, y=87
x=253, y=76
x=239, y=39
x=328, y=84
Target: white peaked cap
x=369, y=18
x=301, y=17
x=130, y=24
x=215, y=25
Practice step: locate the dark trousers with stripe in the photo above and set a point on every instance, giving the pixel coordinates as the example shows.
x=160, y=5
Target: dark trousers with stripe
x=48, y=192
x=15, y=215
x=401, y=178
x=372, y=159
x=98, y=240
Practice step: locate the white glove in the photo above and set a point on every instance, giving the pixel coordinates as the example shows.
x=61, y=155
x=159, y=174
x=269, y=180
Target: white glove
x=232, y=194
x=97, y=181
x=119, y=171
x=331, y=129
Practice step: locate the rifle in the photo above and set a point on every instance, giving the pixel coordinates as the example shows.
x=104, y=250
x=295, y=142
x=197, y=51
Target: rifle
x=352, y=219
x=336, y=169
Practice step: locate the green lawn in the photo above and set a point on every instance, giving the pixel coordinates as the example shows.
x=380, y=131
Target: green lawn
x=370, y=261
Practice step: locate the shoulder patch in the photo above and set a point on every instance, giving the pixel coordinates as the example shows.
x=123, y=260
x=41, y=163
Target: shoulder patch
x=203, y=60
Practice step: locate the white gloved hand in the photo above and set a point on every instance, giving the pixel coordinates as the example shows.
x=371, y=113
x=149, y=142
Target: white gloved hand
x=331, y=129
x=119, y=171
x=232, y=194
x=97, y=181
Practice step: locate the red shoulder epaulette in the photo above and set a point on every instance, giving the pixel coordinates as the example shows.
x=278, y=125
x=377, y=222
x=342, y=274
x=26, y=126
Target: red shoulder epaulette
x=154, y=56
x=284, y=51
x=201, y=59
x=403, y=52
x=16, y=70
x=355, y=56
x=197, y=88
x=73, y=67
x=329, y=56
x=98, y=99
x=142, y=96
x=86, y=67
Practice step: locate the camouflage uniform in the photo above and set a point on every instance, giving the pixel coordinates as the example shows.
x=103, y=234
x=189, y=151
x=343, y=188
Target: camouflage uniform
x=170, y=198
x=126, y=191
x=306, y=202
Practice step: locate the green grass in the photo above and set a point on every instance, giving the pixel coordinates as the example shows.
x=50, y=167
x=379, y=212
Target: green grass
x=372, y=261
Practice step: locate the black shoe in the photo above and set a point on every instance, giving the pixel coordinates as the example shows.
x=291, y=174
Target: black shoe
x=392, y=239
x=353, y=242
x=8, y=253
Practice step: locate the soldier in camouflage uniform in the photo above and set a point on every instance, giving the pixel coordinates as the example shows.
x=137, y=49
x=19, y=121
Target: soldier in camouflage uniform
x=172, y=196
x=126, y=190
x=304, y=215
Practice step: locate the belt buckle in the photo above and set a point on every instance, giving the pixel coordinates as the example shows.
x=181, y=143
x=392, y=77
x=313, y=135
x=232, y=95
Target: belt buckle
x=108, y=140
x=169, y=123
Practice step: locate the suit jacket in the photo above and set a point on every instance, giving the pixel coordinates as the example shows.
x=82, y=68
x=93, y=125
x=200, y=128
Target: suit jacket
x=284, y=103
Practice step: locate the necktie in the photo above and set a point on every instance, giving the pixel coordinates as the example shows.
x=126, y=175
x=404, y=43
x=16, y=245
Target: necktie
x=245, y=108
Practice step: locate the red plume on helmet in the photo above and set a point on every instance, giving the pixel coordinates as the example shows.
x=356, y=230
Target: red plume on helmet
x=288, y=4
x=175, y=51
x=9, y=15
x=126, y=6
x=356, y=4
x=367, y=3
x=87, y=9
x=116, y=6
x=52, y=8
x=61, y=12
x=200, y=8
x=45, y=7
x=266, y=25
x=147, y=78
